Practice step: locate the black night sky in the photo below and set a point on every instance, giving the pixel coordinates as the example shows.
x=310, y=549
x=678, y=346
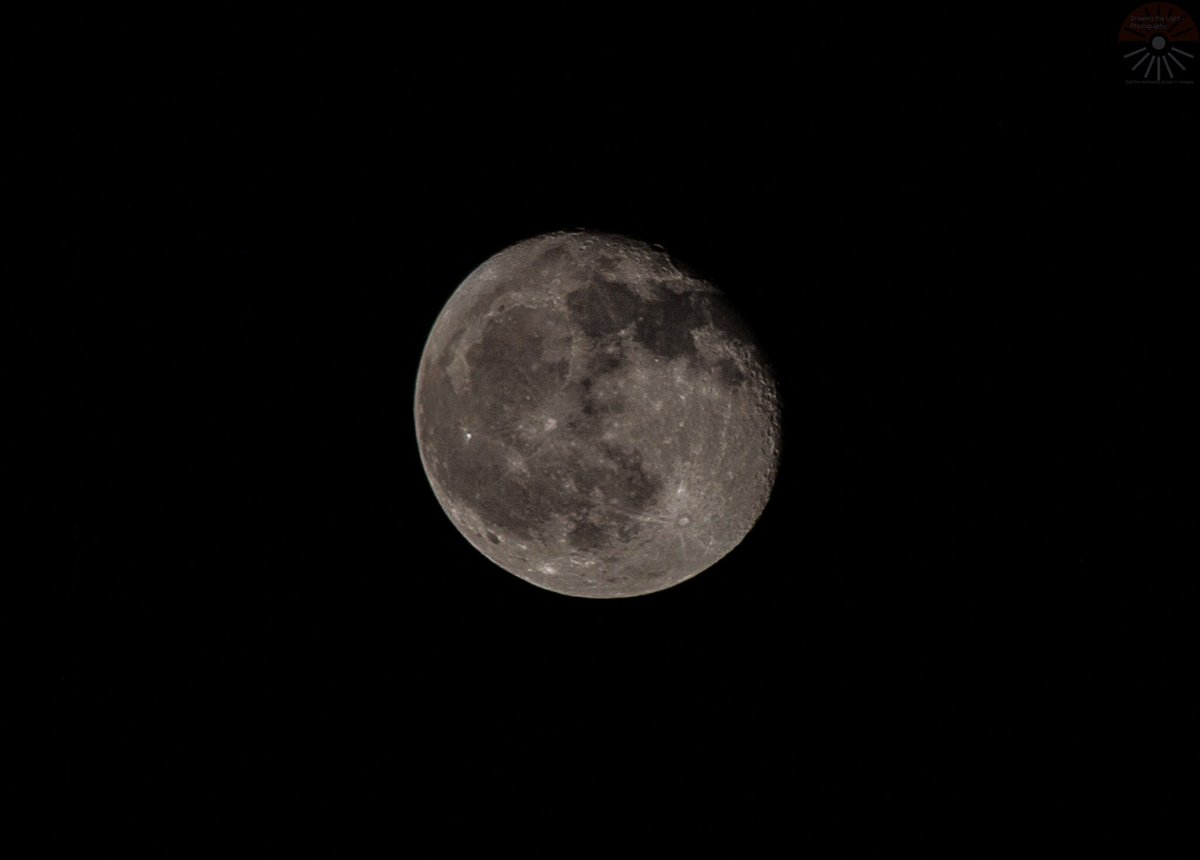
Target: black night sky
x=963, y=251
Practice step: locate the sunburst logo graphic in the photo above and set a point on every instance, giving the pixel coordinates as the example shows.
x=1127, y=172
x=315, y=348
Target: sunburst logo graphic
x=1159, y=44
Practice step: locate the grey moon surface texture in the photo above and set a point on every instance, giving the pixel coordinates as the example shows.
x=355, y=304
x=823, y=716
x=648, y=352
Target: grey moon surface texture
x=595, y=420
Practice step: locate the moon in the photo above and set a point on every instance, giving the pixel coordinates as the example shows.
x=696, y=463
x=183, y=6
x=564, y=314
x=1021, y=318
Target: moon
x=594, y=418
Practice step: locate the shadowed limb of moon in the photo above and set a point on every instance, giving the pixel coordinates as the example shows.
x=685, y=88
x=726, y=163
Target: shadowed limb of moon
x=595, y=420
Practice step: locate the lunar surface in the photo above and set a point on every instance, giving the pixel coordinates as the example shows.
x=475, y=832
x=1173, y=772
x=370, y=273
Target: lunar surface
x=594, y=419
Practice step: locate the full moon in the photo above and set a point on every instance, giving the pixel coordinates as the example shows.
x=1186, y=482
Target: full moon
x=594, y=418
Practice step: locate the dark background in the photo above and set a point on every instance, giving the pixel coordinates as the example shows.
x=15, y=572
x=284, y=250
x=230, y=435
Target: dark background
x=962, y=242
